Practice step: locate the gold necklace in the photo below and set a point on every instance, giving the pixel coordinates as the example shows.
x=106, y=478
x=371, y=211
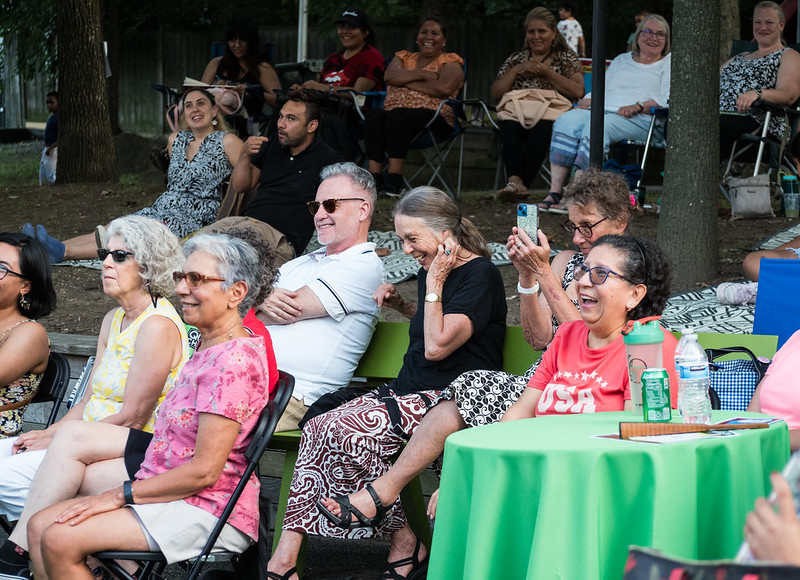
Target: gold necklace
x=204, y=346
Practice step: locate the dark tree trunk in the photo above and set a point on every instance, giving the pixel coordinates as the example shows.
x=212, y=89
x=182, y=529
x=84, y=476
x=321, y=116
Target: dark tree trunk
x=113, y=35
x=85, y=145
x=729, y=27
x=687, y=228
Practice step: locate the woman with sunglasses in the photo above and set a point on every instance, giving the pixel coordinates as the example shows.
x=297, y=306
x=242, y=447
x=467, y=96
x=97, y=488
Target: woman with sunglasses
x=26, y=294
x=193, y=459
x=140, y=350
x=202, y=156
x=636, y=81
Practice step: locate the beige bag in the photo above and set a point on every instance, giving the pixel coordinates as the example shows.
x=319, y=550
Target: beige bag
x=529, y=106
x=750, y=196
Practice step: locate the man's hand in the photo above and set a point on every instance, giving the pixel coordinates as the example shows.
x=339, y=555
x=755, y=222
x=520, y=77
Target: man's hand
x=281, y=307
x=253, y=145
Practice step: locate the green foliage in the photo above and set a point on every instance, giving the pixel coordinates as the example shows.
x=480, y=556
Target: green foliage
x=32, y=25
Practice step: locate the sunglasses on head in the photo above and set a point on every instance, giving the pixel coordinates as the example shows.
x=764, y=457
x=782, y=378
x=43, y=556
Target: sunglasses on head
x=119, y=256
x=329, y=205
x=194, y=279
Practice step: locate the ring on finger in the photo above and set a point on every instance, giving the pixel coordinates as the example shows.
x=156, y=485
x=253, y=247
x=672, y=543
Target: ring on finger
x=519, y=246
x=447, y=252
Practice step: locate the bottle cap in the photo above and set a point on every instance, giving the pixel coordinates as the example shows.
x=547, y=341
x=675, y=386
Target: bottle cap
x=789, y=177
x=644, y=333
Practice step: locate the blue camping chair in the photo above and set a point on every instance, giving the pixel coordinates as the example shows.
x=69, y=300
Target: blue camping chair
x=777, y=307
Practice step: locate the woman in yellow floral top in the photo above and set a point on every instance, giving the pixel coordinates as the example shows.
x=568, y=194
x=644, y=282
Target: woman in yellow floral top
x=26, y=293
x=141, y=348
x=417, y=84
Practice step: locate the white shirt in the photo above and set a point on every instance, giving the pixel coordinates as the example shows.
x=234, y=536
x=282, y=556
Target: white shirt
x=629, y=82
x=322, y=353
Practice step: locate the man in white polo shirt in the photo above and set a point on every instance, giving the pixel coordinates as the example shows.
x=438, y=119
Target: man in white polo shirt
x=321, y=315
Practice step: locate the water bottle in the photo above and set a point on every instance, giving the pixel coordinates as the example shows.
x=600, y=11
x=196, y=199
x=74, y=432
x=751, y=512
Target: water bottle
x=678, y=349
x=692, y=370
x=643, y=346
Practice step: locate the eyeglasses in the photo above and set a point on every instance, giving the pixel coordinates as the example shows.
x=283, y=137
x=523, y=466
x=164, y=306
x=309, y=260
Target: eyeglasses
x=119, y=256
x=329, y=205
x=659, y=34
x=585, y=231
x=6, y=270
x=597, y=275
x=193, y=279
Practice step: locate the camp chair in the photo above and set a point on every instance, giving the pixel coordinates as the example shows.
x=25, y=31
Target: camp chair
x=153, y=562
x=777, y=308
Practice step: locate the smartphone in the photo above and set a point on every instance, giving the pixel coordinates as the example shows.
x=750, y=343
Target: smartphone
x=528, y=220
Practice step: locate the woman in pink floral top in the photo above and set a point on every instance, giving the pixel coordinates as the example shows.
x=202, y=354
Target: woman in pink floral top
x=197, y=450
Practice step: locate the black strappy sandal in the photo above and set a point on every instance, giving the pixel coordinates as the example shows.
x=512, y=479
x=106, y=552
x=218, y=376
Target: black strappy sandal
x=552, y=200
x=418, y=571
x=346, y=522
x=286, y=576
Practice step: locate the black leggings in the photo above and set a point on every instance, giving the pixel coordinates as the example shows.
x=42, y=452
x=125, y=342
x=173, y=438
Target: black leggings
x=390, y=132
x=730, y=127
x=524, y=150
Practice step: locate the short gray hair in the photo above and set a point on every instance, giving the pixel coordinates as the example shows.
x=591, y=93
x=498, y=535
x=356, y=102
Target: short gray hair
x=237, y=261
x=155, y=248
x=360, y=177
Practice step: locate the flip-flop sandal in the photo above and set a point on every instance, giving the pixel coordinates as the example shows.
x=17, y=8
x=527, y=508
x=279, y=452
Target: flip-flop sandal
x=511, y=192
x=552, y=202
x=345, y=521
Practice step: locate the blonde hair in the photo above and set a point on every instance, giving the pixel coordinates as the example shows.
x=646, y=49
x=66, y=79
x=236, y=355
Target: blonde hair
x=663, y=22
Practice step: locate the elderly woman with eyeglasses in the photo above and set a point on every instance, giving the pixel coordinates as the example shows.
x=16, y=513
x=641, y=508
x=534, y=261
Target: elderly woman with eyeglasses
x=196, y=453
x=636, y=81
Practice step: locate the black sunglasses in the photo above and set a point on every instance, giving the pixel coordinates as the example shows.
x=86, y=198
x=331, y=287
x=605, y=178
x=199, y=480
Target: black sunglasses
x=194, y=279
x=5, y=270
x=119, y=256
x=329, y=205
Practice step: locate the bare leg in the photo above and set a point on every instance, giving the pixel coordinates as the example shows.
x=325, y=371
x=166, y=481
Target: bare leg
x=76, y=445
x=425, y=445
x=80, y=247
x=752, y=261
x=558, y=177
x=375, y=167
x=395, y=165
x=285, y=556
x=403, y=544
x=60, y=550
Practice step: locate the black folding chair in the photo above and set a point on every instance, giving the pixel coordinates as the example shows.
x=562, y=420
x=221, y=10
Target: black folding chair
x=154, y=562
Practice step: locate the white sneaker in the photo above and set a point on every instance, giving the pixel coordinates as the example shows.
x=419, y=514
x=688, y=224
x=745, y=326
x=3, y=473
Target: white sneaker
x=737, y=293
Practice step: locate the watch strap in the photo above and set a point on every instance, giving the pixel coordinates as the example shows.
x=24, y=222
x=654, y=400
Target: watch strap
x=127, y=492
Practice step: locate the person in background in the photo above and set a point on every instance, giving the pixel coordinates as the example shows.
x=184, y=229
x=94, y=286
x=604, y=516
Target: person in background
x=26, y=294
x=417, y=84
x=47, y=166
x=544, y=63
x=243, y=65
x=637, y=18
x=571, y=29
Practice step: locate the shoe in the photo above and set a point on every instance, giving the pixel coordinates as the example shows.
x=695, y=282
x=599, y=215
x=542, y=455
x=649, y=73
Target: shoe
x=100, y=237
x=418, y=571
x=22, y=575
x=55, y=248
x=276, y=576
x=552, y=202
x=512, y=192
x=345, y=521
x=737, y=293
x=28, y=230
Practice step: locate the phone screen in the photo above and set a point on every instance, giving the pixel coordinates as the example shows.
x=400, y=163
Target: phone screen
x=528, y=220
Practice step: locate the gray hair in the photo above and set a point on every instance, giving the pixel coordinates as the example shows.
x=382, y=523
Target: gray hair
x=155, y=248
x=237, y=261
x=643, y=24
x=360, y=177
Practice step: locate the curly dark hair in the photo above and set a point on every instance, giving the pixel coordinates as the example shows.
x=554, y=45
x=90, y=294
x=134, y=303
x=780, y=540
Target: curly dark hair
x=646, y=264
x=266, y=257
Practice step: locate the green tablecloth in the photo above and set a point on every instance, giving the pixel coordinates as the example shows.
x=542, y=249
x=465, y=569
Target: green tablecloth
x=543, y=499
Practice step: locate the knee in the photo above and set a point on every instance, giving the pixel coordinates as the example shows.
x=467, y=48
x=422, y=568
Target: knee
x=751, y=265
x=57, y=544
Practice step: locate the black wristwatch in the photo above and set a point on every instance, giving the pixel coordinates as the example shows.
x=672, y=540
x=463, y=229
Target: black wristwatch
x=758, y=91
x=127, y=492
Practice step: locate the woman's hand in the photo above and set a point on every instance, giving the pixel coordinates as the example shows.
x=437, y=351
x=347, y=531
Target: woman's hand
x=527, y=257
x=629, y=111
x=746, y=100
x=432, y=503
x=584, y=103
x=530, y=68
x=82, y=508
x=774, y=536
x=443, y=263
x=31, y=441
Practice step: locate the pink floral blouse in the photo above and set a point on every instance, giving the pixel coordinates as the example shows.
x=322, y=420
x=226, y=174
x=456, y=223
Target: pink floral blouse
x=229, y=379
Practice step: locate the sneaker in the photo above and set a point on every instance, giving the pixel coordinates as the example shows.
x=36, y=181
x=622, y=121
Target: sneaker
x=101, y=237
x=21, y=575
x=737, y=293
x=28, y=230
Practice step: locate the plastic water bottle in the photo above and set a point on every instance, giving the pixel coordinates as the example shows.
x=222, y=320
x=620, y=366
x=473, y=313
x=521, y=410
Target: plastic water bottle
x=692, y=371
x=686, y=330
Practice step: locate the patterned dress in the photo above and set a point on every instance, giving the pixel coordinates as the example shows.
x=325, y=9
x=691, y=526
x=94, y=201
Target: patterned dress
x=194, y=189
x=19, y=390
x=483, y=397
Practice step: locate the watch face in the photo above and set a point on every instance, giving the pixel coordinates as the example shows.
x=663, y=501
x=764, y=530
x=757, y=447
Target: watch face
x=432, y=297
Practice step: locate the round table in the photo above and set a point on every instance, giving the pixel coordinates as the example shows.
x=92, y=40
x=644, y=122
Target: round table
x=545, y=498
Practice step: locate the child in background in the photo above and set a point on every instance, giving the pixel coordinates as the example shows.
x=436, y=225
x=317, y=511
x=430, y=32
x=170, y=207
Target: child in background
x=571, y=29
x=47, y=166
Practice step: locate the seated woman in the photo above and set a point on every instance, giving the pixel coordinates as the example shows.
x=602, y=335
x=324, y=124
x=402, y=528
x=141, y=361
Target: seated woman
x=623, y=278
x=457, y=324
x=417, y=83
x=197, y=447
x=243, y=65
x=635, y=82
x=140, y=350
x=26, y=294
x=359, y=66
x=546, y=62
x=202, y=156
x=770, y=74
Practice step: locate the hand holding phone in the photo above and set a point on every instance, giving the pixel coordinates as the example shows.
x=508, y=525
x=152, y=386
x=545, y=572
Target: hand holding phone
x=528, y=220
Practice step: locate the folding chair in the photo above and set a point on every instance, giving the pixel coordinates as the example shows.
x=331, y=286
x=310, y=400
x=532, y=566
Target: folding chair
x=777, y=309
x=154, y=562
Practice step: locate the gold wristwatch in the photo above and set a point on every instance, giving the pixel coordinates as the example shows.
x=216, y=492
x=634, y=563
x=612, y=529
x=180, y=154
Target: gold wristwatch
x=433, y=297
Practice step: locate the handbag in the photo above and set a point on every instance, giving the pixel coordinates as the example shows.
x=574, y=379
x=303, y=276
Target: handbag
x=649, y=564
x=735, y=381
x=529, y=106
x=750, y=196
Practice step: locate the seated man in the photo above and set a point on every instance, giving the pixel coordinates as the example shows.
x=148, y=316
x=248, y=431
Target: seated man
x=286, y=170
x=322, y=304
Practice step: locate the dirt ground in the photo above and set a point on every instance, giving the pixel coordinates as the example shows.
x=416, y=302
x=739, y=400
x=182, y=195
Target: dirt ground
x=69, y=210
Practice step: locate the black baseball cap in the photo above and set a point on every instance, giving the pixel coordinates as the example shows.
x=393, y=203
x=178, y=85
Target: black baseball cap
x=355, y=17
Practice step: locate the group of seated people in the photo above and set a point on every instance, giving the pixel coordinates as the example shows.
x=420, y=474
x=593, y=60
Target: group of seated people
x=115, y=474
